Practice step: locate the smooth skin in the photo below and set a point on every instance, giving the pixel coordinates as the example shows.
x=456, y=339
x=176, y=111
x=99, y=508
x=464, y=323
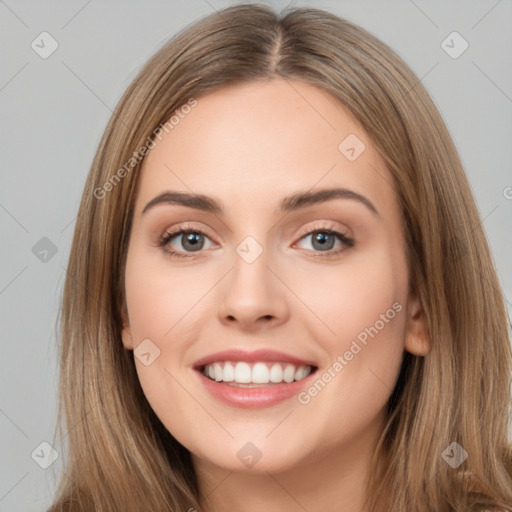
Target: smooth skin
x=248, y=147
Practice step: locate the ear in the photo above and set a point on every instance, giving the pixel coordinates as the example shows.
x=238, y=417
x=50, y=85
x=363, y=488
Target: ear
x=417, y=337
x=126, y=333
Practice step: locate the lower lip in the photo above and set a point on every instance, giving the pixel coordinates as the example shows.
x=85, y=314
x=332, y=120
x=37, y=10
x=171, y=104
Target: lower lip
x=265, y=396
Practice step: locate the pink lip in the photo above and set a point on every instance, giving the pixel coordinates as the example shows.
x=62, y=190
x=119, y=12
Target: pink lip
x=257, y=355
x=254, y=397
x=257, y=397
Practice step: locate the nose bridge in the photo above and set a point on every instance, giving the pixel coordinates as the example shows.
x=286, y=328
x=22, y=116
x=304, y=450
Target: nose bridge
x=252, y=291
x=251, y=277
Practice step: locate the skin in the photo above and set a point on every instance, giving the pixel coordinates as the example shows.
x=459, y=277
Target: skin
x=249, y=146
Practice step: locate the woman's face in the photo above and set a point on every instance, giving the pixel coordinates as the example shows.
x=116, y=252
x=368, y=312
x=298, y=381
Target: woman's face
x=292, y=297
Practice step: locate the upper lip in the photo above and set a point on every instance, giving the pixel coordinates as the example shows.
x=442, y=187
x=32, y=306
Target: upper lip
x=262, y=355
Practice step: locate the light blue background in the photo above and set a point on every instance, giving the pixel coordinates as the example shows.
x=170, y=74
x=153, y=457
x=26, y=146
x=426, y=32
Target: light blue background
x=53, y=112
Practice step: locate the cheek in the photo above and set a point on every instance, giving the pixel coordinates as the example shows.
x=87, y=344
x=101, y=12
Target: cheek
x=349, y=300
x=160, y=298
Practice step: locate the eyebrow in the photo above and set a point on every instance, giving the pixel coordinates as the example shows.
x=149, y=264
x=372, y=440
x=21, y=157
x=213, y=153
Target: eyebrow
x=294, y=202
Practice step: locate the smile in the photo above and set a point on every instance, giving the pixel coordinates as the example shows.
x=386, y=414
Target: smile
x=253, y=379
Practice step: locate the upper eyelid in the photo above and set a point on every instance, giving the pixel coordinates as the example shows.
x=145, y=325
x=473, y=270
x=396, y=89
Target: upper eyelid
x=328, y=225
x=180, y=230
x=302, y=232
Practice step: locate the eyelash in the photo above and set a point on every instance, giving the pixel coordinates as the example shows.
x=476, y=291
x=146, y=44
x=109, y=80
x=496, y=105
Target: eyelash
x=167, y=237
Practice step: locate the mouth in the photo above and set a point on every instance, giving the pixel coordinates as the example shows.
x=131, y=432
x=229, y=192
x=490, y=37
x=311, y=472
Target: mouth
x=254, y=379
x=257, y=374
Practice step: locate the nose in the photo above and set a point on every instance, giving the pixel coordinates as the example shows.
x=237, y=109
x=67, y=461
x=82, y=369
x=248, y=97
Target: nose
x=253, y=295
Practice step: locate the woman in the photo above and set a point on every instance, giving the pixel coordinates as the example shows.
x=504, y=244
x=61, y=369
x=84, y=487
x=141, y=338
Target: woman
x=280, y=295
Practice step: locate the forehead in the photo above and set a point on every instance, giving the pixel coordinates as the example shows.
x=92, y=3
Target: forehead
x=252, y=144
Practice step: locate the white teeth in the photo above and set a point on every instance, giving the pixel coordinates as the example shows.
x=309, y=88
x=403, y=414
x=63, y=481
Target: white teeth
x=260, y=373
x=243, y=373
x=255, y=373
x=217, y=371
x=229, y=372
x=289, y=373
x=276, y=373
x=302, y=372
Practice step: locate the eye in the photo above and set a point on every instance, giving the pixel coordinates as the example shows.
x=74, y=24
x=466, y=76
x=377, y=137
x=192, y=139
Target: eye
x=192, y=240
x=189, y=241
x=323, y=239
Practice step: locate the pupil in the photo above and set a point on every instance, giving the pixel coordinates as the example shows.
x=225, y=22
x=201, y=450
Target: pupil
x=323, y=240
x=194, y=240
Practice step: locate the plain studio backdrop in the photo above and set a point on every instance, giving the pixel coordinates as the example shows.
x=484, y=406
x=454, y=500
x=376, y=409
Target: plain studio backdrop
x=64, y=66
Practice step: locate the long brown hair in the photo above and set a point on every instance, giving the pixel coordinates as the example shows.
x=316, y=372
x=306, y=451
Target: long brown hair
x=120, y=456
